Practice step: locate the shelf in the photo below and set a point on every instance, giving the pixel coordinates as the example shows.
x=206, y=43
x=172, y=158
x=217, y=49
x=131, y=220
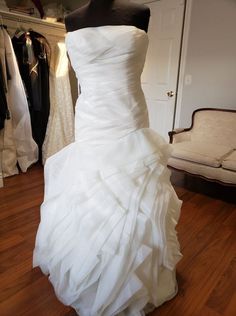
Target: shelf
x=16, y=17
x=54, y=31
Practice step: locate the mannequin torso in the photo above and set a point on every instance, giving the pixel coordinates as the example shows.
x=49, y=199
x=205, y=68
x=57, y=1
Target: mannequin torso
x=108, y=12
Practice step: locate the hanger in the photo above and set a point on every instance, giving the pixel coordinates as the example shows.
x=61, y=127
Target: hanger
x=19, y=29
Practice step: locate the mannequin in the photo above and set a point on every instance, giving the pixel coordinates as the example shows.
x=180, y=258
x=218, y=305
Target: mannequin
x=108, y=12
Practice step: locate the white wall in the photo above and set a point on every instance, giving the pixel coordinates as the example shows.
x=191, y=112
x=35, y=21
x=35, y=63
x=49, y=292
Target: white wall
x=210, y=60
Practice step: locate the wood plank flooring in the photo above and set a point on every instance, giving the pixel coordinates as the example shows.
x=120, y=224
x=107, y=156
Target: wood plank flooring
x=206, y=230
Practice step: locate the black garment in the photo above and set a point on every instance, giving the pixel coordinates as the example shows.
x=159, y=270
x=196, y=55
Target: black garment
x=33, y=55
x=4, y=112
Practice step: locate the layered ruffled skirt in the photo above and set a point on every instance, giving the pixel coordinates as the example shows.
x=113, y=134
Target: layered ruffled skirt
x=107, y=234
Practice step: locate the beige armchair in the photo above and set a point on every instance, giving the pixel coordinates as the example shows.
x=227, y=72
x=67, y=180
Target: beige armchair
x=208, y=147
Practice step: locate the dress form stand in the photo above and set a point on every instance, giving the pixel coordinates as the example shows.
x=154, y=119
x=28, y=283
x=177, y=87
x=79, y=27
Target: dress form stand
x=108, y=12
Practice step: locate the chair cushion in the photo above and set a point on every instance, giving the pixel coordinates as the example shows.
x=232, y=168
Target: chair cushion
x=214, y=126
x=201, y=152
x=220, y=174
x=230, y=161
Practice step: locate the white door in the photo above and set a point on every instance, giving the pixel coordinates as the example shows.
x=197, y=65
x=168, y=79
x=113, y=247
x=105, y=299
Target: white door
x=159, y=78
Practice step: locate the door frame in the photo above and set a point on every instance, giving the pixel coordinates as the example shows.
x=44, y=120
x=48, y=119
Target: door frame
x=182, y=62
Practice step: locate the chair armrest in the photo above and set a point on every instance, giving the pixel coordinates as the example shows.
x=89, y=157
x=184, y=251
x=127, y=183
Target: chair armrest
x=179, y=135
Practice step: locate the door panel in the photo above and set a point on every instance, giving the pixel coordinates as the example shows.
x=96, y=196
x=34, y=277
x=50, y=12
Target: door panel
x=161, y=68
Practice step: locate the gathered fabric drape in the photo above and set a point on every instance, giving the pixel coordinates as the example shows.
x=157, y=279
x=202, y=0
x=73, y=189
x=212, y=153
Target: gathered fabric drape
x=17, y=144
x=107, y=238
x=60, y=128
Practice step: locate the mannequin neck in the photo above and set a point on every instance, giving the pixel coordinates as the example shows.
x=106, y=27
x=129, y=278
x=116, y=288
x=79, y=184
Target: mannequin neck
x=108, y=12
x=101, y=3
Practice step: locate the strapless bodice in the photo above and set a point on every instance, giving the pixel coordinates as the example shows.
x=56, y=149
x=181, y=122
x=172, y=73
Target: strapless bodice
x=108, y=62
x=107, y=235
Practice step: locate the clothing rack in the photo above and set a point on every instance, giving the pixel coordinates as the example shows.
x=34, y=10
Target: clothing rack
x=54, y=31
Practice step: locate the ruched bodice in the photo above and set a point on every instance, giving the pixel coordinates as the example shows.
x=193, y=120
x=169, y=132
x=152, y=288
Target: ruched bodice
x=107, y=235
x=108, y=68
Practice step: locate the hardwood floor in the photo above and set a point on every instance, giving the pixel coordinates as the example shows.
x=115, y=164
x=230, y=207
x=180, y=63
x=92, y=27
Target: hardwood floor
x=206, y=230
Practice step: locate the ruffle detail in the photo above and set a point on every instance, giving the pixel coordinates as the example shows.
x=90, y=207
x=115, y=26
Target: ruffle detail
x=108, y=240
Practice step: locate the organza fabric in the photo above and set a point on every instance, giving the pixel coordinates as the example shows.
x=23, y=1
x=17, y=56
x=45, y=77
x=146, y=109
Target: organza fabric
x=107, y=234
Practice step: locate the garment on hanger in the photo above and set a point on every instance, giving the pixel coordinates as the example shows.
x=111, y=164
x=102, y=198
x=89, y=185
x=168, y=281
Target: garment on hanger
x=18, y=144
x=7, y=144
x=4, y=112
x=60, y=128
x=33, y=56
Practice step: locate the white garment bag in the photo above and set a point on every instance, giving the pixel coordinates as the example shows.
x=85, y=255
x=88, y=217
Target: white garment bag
x=18, y=143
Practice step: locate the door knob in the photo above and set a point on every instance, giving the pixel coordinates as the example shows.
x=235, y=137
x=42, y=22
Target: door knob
x=170, y=94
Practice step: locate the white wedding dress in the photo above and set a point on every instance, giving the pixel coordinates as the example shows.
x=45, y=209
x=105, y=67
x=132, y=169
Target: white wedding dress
x=107, y=235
